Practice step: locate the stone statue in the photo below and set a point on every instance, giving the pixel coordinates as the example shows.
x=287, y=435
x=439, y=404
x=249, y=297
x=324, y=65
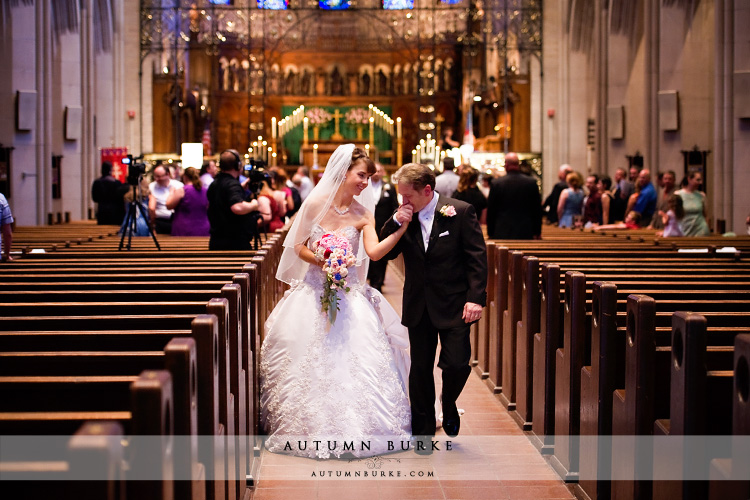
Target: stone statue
x=398, y=82
x=337, y=82
x=224, y=74
x=382, y=82
x=365, y=90
x=351, y=80
x=305, y=83
x=289, y=82
x=273, y=80
x=320, y=82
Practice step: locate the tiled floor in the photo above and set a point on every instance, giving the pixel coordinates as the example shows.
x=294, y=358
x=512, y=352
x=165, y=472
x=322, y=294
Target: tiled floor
x=490, y=459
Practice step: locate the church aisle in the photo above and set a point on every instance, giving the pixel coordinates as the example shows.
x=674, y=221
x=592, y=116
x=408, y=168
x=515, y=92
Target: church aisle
x=490, y=459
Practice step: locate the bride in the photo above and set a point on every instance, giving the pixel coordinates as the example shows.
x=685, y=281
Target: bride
x=335, y=382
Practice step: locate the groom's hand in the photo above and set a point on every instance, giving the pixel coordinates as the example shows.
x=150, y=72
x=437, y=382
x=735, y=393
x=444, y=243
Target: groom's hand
x=472, y=312
x=403, y=214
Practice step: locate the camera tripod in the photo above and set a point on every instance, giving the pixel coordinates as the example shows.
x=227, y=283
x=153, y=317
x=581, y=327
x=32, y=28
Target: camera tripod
x=131, y=220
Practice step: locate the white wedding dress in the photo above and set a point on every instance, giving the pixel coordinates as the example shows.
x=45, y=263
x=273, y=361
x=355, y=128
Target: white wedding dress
x=329, y=390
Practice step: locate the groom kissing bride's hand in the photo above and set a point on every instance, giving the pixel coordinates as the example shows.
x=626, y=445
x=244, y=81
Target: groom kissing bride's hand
x=445, y=261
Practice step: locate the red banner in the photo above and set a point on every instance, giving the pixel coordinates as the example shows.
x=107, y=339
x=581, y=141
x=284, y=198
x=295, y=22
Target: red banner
x=115, y=156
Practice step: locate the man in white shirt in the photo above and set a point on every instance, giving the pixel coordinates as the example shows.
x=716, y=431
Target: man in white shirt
x=447, y=182
x=306, y=184
x=208, y=172
x=160, y=216
x=386, y=203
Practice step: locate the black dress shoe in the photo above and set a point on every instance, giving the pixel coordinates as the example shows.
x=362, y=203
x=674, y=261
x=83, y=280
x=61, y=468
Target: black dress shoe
x=451, y=421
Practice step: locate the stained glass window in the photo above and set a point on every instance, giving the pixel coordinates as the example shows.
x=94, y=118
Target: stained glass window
x=334, y=4
x=221, y=2
x=451, y=2
x=272, y=4
x=398, y=4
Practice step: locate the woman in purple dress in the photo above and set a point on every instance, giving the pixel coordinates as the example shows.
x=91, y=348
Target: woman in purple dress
x=190, y=205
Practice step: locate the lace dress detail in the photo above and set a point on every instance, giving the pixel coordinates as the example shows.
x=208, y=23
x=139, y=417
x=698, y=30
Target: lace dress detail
x=329, y=390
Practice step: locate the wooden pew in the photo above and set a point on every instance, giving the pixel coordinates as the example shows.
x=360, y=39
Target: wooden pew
x=148, y=399
x=701, y=387
x=729, y=479
x=94, y=452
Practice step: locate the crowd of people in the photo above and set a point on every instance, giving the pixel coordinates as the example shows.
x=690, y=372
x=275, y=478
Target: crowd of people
x=176, y=201
x=630, y=202
x=510, y=205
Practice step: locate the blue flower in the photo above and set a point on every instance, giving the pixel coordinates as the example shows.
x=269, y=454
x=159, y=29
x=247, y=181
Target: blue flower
x=341, y=261
x=337, y=276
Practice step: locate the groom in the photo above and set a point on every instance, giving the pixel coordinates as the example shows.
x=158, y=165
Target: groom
x=444, y=291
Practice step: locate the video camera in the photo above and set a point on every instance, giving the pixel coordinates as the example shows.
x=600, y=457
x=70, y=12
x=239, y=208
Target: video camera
x=136, y=168
x=255, y=171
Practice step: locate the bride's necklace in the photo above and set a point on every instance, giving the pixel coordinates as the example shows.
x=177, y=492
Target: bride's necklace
x=340, y=211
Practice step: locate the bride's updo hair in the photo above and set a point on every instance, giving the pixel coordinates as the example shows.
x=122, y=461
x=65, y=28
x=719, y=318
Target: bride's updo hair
x=361, y=154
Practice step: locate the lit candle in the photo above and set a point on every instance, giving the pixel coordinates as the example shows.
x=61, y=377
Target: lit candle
x=372, y=131
x=273, y=159
x=315, y=155
x=304, y=130
x=414, y=156
x=398, y=128
x=273, y=127
x=270, y=150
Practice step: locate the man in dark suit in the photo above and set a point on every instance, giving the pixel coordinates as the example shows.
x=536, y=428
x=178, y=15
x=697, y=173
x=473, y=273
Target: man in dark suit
x=514, y=206
x=386, y=203
x=445, y=261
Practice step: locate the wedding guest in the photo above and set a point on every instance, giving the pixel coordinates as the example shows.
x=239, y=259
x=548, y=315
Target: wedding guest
x=694, y=203
x=306, y=184
x=514, y=206
x=228, y=212
x=159, y=215
x=208, y=172
x=550, y=202
x=592, y=208
x=646, y=201
x=447, y=182
x=107, y=193
x=6, y=230
x=570, y=204
x=668, y=186
x=672, y=217
x=608, y=205
x=272, y=208
x=279, y=182
x=469, y=192
x=448, y=142
x=386, y=202
x=190, y=205
x=631, y=222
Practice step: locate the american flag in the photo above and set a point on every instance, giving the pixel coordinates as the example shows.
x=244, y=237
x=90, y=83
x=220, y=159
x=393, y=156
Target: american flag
x=206, y=140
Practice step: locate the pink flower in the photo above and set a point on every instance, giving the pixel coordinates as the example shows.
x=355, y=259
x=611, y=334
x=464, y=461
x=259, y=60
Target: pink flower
x=448, y=211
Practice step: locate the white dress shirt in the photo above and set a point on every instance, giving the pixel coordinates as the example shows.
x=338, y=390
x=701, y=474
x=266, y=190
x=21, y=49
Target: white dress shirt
x=426, y=217
x=377, y=189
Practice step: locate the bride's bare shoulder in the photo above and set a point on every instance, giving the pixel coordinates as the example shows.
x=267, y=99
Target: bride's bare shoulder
x=364, y=216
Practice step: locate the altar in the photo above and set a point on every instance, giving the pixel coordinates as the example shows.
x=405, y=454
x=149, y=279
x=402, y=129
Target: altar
x=325, y=149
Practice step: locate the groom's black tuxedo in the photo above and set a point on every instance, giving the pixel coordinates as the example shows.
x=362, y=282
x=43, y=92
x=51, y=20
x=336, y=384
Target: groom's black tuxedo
x=438, y=283
x=450, y=273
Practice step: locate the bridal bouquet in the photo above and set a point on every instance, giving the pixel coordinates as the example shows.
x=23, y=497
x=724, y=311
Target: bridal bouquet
x=357, y=116
x=318, y=116
x=338, y=256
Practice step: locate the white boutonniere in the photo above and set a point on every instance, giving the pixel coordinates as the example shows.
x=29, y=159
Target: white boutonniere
x=448, y=211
